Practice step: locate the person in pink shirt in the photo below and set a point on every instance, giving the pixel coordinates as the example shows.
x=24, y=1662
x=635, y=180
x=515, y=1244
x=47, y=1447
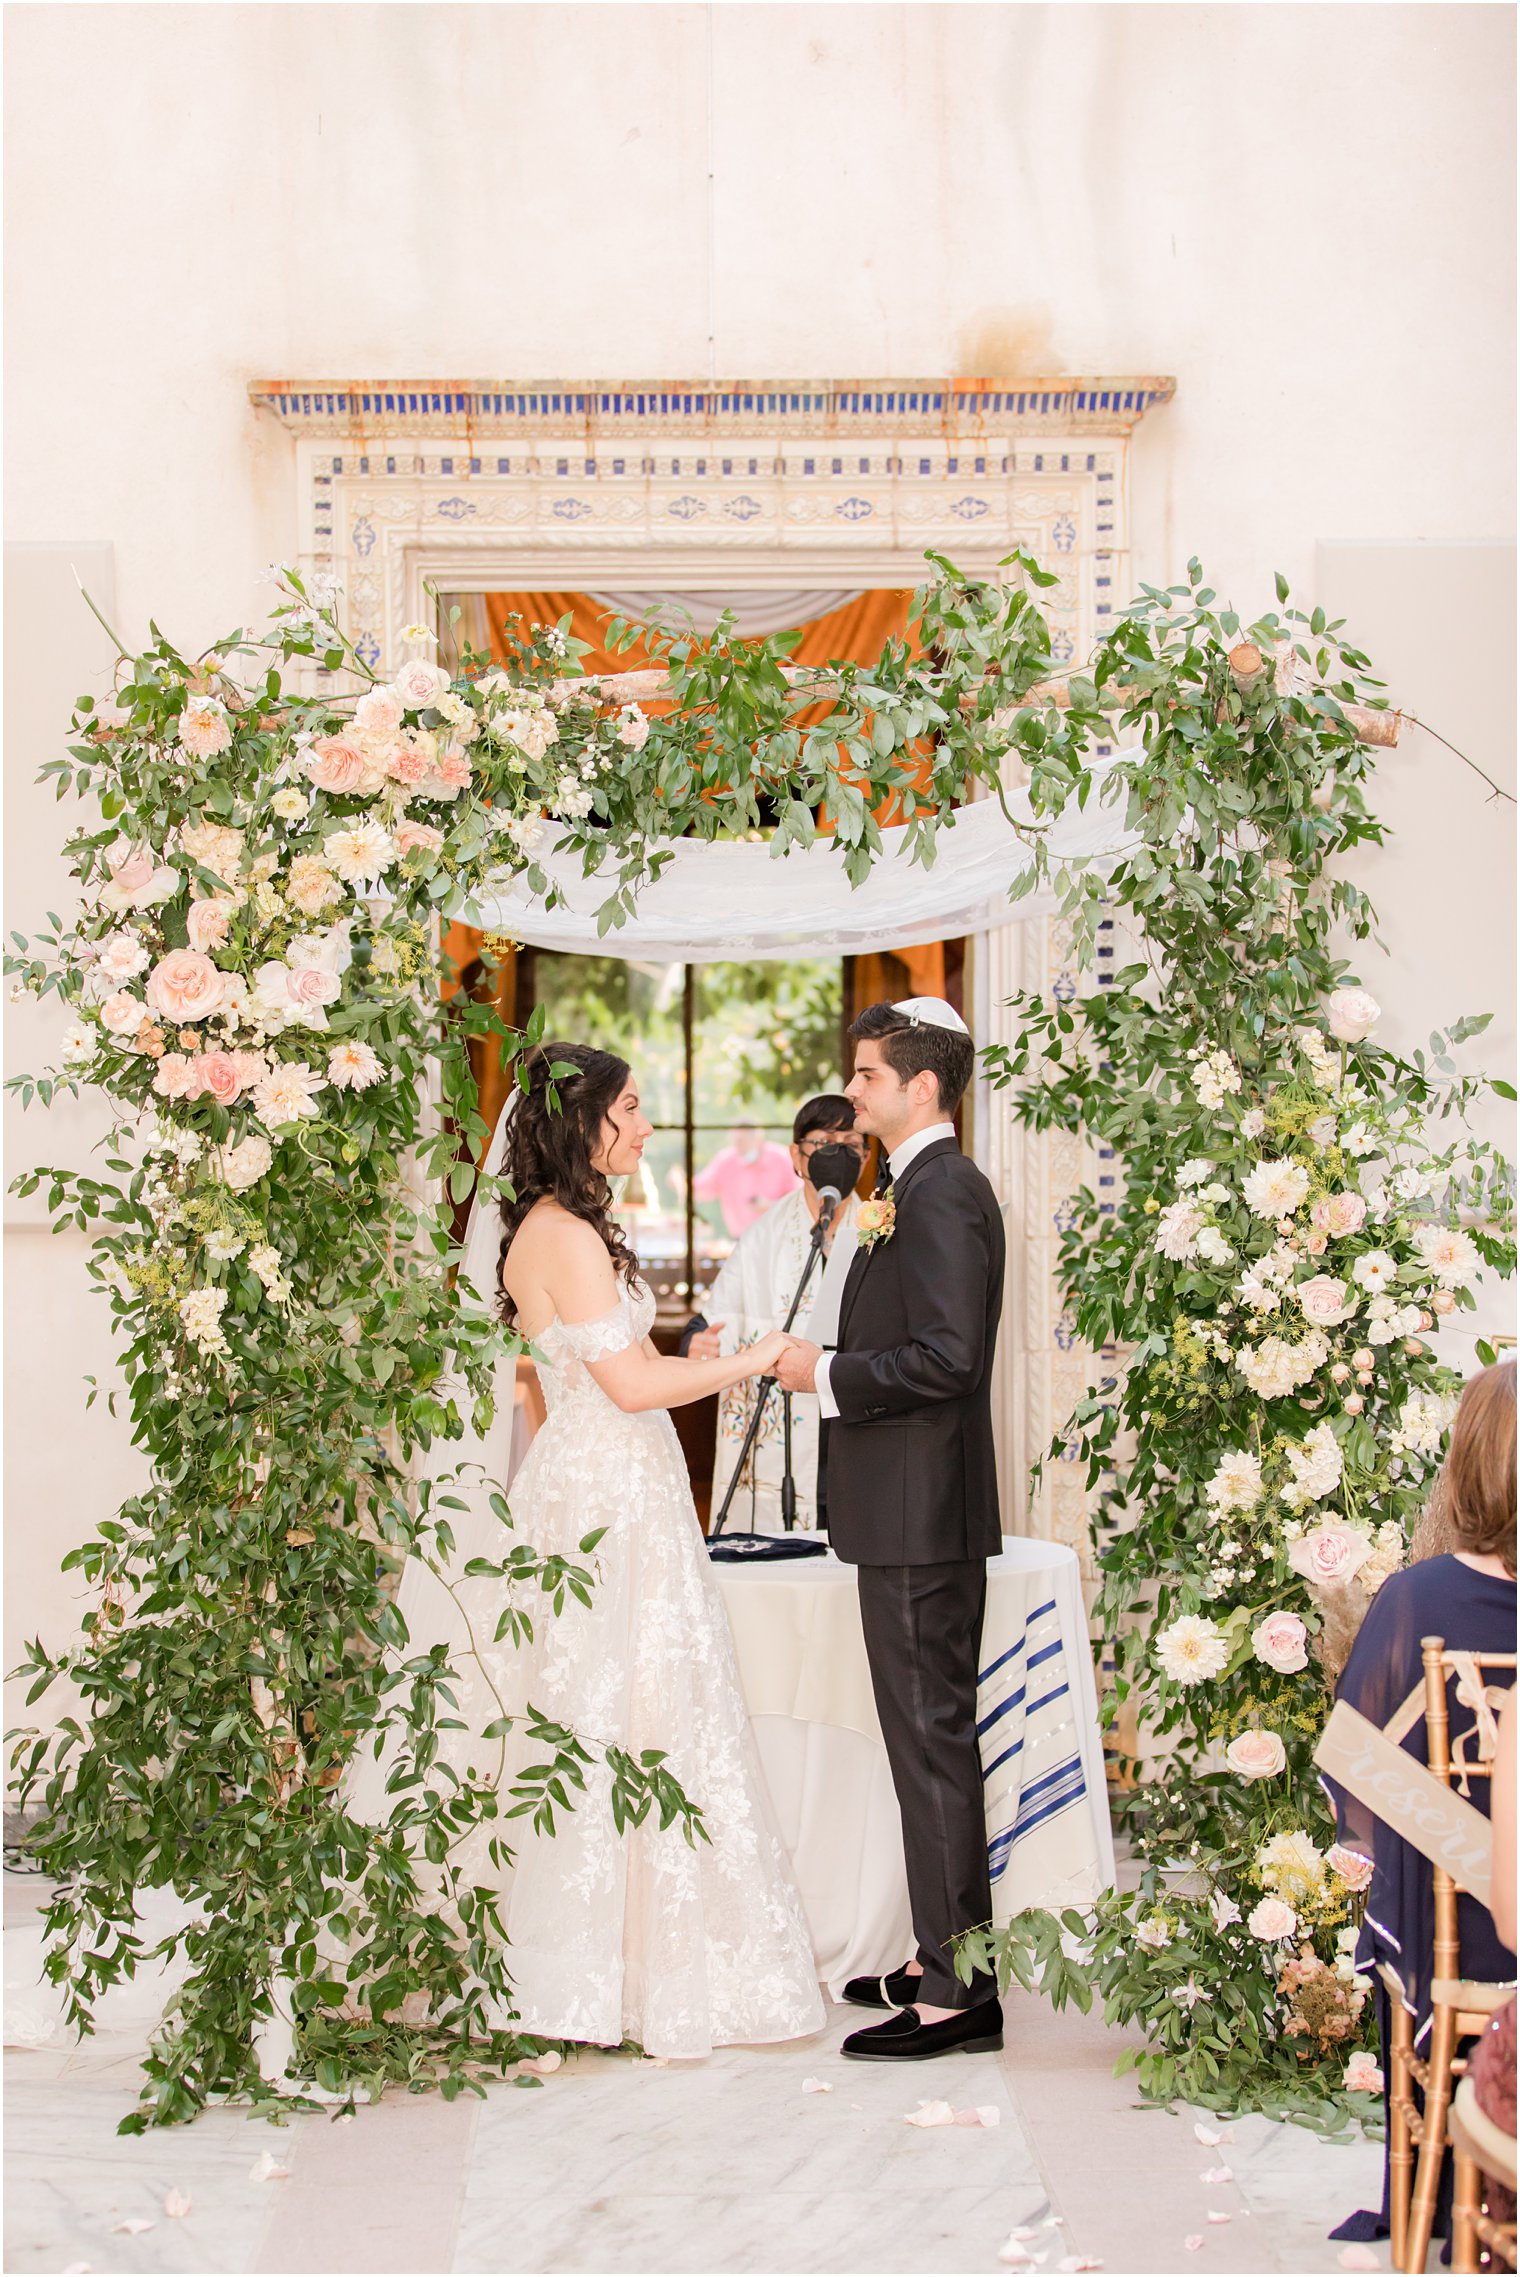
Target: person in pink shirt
x=745, y=1177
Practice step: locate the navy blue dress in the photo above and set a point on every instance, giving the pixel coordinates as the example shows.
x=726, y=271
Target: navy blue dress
x=1473, y=1612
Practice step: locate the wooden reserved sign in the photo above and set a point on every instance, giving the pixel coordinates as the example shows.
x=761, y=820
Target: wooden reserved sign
x=1409, y=1798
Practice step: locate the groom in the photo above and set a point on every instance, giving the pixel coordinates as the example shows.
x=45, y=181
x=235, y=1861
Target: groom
x=913, y=1500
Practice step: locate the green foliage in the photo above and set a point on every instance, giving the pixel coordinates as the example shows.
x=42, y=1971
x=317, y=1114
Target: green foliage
x=1269, y=1413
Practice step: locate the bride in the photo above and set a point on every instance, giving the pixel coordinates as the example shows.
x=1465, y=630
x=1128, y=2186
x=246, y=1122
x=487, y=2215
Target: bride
x=635, y=1935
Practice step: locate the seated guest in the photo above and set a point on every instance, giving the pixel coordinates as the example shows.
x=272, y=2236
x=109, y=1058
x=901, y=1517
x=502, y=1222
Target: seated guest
x=751, y=1296
x=1466, y=1597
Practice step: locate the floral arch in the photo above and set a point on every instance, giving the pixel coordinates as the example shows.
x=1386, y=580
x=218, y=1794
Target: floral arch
x=264, y=871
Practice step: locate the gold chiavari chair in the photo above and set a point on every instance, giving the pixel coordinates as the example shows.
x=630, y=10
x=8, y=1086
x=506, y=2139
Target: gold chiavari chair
x=1460, y=2006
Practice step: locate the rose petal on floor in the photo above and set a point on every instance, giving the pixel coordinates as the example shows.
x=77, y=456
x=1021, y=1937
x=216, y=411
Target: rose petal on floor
x=1194, y=2244
x=1075, y=2261
x=1208, y=2136
x=1015, y=2256
x=1213, y=2217
x=931, y=2115
x=267, y=2168
x=1358, y=2257
x=1217, y=2174
x=817, y=2087
x=176, y=2205
x=134, y=2227
x=551, y=2060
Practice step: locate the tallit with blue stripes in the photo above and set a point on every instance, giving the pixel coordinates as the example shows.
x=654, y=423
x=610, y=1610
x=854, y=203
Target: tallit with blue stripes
x=1039, y=1840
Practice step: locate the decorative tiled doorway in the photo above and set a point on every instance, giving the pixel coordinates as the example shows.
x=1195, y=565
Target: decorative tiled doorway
x=410, y=488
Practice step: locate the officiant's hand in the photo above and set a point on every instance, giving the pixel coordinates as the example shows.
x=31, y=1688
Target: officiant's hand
x=706, y=1344
x=797, y=1367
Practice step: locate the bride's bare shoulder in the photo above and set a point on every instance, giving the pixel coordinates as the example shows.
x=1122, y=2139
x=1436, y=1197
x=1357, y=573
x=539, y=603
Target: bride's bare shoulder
x=551, y=1236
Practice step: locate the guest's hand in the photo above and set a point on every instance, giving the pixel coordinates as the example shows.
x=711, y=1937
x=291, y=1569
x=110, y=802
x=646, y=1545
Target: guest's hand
x=797, y=1368
x=706, y=1344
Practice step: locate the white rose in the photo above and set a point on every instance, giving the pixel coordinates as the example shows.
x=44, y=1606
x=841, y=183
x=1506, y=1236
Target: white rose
x=1256, y=1755
x=1352, y=1015
x=1213, y=1247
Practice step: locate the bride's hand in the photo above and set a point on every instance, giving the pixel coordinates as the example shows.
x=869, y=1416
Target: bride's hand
x=762, y=1357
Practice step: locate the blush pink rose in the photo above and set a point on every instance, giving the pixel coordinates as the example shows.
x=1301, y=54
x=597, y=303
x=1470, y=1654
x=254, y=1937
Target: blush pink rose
x=184, y=985
x=208, y=923
x=217, y=1074
x=1353, y=1869
x=176, y=1077
x=1323, y=1300
x=1316, y=1243
x=335, y=765
x=411, y=836
x=417, y=683
x=379, y=713
x=1331, y=1552
x=131, y=872
x=1364, y=2074
x=1339, y=1213
x=1256, y=1755
x=454, y=769
x=309, y=984
x=1281, y=1640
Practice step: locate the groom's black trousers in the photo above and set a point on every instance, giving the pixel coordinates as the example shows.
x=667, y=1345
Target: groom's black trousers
x=923, y=1630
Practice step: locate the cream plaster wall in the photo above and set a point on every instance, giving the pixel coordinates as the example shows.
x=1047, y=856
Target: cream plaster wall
x=1304, y=212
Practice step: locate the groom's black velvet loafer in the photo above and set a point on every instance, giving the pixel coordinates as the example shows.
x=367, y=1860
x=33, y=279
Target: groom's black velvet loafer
x=895, y=1990
x=903, y=2039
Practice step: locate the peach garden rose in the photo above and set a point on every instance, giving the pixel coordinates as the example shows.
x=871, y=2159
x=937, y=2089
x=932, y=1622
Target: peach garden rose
x=185, y=985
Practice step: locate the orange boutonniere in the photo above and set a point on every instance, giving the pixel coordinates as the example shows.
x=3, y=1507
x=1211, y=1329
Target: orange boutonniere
x=875, y=1220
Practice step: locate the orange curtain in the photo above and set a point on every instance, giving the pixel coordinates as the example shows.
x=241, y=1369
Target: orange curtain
x=855, y=634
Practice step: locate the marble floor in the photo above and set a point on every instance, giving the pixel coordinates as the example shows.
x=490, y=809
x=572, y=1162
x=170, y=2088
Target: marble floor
x=617, y=2165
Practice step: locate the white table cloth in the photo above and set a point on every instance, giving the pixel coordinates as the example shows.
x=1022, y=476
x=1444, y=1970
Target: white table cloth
x=802, y=1664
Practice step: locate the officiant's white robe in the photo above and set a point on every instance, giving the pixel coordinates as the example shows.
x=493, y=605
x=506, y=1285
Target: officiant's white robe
x=749, y=1298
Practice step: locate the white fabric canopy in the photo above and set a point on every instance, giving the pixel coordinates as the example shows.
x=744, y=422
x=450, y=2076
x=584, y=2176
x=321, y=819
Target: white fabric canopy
x=757, y=612
x=731, y=898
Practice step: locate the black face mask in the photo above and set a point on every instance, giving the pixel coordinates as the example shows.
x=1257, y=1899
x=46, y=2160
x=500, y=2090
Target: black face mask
x=836, y=1166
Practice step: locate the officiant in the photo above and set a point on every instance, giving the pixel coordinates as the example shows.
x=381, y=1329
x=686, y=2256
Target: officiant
x=751, y=1295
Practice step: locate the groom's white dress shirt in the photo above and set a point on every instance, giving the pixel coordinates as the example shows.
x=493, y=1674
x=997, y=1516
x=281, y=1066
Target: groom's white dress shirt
x=897, y=1163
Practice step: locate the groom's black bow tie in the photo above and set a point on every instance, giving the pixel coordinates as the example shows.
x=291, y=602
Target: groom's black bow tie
x=884, y=1175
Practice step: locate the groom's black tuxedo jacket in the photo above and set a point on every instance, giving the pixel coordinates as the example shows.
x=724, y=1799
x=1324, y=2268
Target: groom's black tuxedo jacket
x=912, y=1480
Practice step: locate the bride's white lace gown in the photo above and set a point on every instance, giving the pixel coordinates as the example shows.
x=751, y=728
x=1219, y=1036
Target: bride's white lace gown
x=634, y=1934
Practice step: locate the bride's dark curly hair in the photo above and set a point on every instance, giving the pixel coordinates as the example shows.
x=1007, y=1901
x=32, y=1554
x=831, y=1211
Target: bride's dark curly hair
x=549, y=1148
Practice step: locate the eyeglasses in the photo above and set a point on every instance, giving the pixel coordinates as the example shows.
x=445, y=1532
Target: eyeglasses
x=808, y=1147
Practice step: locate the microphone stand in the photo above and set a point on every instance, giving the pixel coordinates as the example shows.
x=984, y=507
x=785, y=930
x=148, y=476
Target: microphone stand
x=829, y=1199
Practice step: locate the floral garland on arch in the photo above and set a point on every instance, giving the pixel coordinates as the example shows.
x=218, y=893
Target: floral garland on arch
x=1294, y=1223
x=252, y=989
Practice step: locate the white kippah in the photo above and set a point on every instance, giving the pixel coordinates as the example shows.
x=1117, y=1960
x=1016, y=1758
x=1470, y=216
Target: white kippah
x=932, y=1012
